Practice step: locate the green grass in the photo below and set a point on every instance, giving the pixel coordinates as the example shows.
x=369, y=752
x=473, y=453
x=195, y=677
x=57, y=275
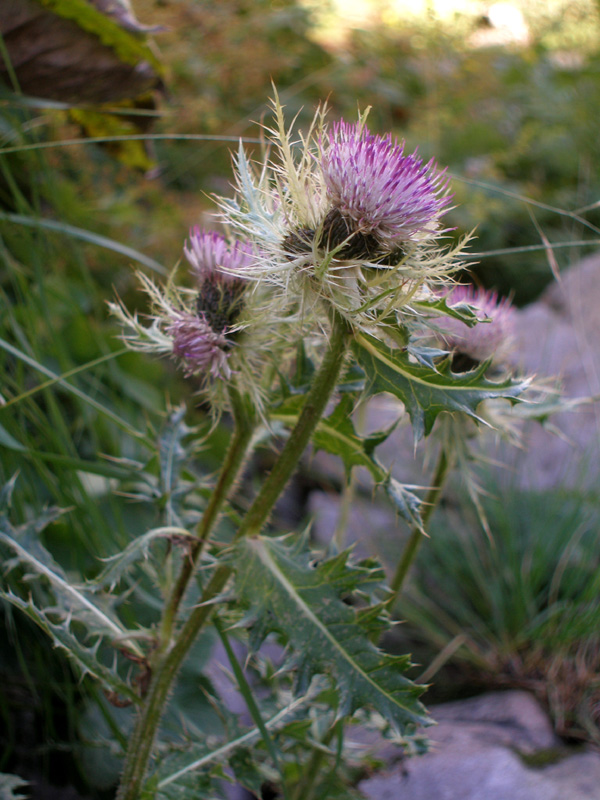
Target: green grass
x=522, y=606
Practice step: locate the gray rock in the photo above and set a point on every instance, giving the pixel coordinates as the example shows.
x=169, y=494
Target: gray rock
x=477, y=753
x=558, y=336
x=370, y=527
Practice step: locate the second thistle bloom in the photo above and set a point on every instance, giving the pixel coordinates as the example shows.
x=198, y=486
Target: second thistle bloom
x=488, y=339
x=378, y=194
x=203, y=336
x=202, y=327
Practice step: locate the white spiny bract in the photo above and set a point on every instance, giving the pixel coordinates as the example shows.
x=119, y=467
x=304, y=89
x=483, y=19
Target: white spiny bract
x=342, y=219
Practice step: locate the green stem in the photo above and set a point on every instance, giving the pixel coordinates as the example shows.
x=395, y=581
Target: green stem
x=412, y=546
x=250, y=701
x=168, y=663
x=231, y=468
x=306, y=786
x=323, y=384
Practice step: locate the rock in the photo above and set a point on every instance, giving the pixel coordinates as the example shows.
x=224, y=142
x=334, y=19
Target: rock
x=370, y=527
x=482, y=749
x=558, y=336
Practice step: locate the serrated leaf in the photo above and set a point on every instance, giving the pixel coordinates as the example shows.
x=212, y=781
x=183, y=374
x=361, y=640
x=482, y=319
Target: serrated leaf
x=336, y=434
x=464, y=312
x=171, y=780
x=63, y=638
x=289, y=595
x=247, y=770
x=427, y=392
x=72, y=601
x=173, y=455
x=137, y=550
x=6, y=494
x=428, y=356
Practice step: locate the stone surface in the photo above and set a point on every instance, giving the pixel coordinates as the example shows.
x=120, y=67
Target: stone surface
x=559, y=335
x=370, y=527
x=477, y=754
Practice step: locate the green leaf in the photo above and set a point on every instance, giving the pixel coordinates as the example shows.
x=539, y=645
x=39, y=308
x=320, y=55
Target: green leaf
x=6, y=440
x=139, y=549
x=178, y=772
x=173, y=456
x=336, y=435
x=72, y=602
x=427, y=392
x=85, y=658
x=287, y=593
x=464, y=312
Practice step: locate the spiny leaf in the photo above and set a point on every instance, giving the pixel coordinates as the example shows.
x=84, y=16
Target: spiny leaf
x=336, y=435
x=72, y=601
x=464, y=312
x=138, y=549
x=6, y=495
x=288, y=594
x=85, y=658
x=174, y=773
x=426, y=392
x=173, y=455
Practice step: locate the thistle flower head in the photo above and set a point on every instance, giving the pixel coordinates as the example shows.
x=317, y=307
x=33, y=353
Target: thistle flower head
x=342, y=218
x=199, y=349
x=211, y=256
x=377, y=190
x=489, y=338
x=200, y=327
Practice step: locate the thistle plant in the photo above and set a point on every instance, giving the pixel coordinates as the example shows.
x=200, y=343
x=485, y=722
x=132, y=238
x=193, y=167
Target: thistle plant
x=331, y=281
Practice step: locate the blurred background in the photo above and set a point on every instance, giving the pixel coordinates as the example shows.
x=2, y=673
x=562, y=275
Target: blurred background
x=117, y=123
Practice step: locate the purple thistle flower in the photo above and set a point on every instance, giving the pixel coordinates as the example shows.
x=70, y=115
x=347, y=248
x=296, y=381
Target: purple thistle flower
x=487, y=339
x=203, y=340
x=379, y=192
x=200, y=349
x=211, y=255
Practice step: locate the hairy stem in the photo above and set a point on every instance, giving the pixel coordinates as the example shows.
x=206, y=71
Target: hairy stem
x=168, y=663
x=316, y=400
x=412, y=545
x=230, y=470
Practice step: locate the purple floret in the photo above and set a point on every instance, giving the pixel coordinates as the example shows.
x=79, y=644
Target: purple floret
x=210, y=255
x=198, y=347
x=486, y=339
x=383, y=192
